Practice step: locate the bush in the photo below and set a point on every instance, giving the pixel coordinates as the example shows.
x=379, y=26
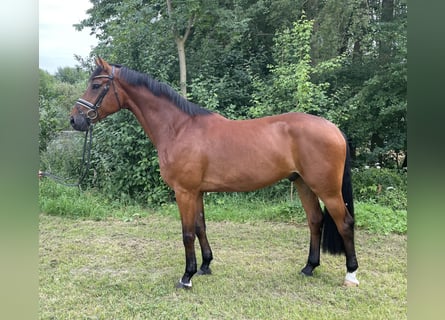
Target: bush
x=387, y=187
x=63, y=155
x=126, y=163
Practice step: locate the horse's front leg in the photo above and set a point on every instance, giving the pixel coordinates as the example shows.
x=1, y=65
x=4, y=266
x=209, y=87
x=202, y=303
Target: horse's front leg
x=315, y=221
x=187, y=204
x=200, y=229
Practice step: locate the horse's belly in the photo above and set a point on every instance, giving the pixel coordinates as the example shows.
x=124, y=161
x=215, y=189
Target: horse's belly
x=248, y=177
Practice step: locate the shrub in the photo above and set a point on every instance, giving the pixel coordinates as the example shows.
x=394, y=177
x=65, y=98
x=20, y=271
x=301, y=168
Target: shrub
x=387, y=187
x=63, y=154
x=126, y=163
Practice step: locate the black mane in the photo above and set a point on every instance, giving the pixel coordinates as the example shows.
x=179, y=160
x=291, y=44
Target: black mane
x=157, y=88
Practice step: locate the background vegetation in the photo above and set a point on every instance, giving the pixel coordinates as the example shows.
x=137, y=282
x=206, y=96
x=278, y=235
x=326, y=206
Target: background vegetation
x=345, y=60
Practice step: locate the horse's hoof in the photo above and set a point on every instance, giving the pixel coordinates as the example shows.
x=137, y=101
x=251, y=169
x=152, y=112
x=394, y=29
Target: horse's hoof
x=306, y=274
x=201, y=272
x=307, y=271
x=351, y=280
x=182, y=285
x=347, y=283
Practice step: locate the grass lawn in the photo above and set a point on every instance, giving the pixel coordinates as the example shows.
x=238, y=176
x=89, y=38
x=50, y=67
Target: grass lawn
x=127, y=269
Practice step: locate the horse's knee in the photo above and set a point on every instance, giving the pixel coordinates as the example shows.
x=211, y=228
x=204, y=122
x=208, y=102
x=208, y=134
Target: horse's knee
x=346, y=227
x=349, y=221
x=188, y=238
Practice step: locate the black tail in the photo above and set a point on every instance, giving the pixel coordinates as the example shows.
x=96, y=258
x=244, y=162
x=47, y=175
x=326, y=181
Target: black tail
x=332, y=241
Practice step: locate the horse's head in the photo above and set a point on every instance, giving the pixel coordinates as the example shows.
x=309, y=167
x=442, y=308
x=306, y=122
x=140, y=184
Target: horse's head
x=100, y=99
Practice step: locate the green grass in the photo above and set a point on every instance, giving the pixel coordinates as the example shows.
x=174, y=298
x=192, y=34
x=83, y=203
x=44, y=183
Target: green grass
x=112, y=269
x=103, y=260
x=379, y=219
x=72, y=202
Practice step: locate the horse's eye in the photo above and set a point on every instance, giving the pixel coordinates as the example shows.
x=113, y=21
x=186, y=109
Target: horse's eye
x=95, y=86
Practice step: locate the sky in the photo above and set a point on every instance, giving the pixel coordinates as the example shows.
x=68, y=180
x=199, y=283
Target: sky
x=58, y=40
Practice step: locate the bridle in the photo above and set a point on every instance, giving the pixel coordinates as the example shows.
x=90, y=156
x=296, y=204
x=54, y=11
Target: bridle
x=92, y=112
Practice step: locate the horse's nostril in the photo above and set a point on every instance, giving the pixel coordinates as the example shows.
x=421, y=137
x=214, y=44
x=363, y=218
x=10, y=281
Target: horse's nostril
x=72, y=121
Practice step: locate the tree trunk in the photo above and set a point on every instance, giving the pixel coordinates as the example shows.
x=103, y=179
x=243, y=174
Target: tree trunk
x=180, y=43
x=387, y=10
x=385, y=42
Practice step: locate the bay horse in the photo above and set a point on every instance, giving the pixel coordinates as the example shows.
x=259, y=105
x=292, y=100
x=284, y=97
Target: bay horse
x=201, y=151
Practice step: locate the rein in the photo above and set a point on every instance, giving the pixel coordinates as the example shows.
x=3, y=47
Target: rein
x=84, y=164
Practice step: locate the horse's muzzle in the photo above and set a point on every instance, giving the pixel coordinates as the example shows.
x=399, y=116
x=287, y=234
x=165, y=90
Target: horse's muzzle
x=79, y=122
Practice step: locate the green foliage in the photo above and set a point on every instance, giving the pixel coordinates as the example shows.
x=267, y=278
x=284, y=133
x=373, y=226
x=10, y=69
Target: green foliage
x=48, y=122
x=203, y=91
x=125, y=162
x=384, y=98
x=254, y=206
x=380, y=219
x=70, y=75
x=372, y=85
x=385, y=187
x=293, y=65
x=291, y=86
x=63, y=155
x=57, y=95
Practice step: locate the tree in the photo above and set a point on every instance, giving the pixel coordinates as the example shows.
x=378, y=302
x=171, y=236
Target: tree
x=373, y=83
x=291, y=86
x=181, y=37
x=139, y=29
x=70, y=75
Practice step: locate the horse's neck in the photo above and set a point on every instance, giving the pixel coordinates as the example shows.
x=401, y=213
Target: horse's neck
x=158, y=116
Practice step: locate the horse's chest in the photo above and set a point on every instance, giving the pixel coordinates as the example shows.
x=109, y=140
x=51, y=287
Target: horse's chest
x=180, y=168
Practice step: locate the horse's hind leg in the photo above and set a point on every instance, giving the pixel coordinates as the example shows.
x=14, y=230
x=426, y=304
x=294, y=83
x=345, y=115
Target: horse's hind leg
x=345, y=226
x=311, y=205
x=200, y=229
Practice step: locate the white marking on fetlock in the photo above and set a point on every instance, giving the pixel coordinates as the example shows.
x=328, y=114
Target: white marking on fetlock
x=351, y=279
x=188, y=285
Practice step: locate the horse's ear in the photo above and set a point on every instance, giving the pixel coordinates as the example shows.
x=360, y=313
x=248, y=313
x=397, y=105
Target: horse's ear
x=98, y=61
x=101, y=63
